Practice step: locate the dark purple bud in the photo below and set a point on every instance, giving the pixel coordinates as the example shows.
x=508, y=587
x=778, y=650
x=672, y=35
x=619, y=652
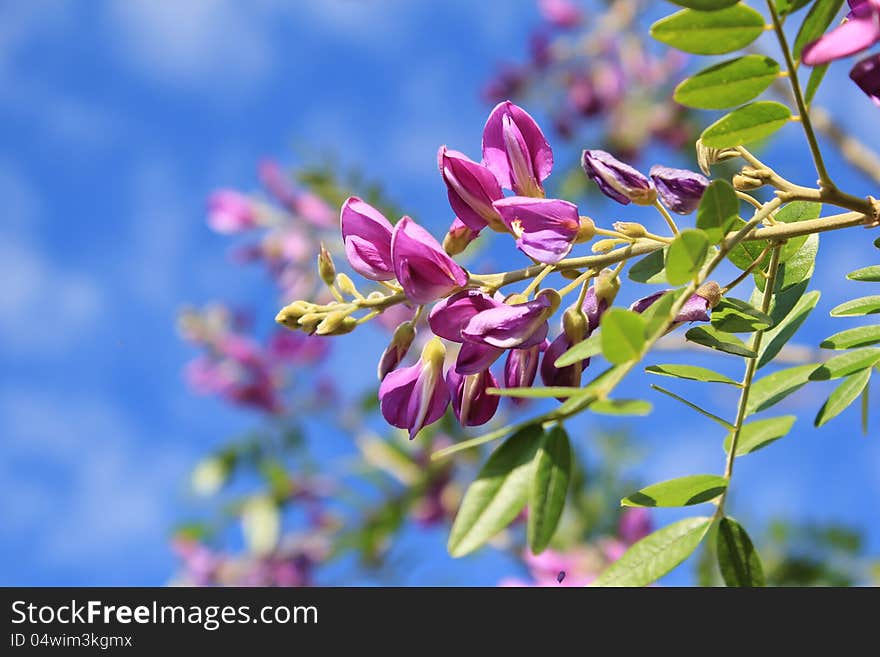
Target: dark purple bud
x=521, y=368
x=679, y=189
x=560, y=576
x=473, y=406
x=866, y=74
x=617, y=180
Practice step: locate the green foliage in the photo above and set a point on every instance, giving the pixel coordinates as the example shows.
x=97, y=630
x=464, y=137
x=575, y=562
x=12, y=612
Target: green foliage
x=844, y=395
x=549, y=487
x=846, y=364
x=793, y=213
x=718, y=210
x=649, y=269
x=710, y=33
x=683, y=491
x=868, y=274
x=857, y=307
x=686, y=255
x=691, y=372
x=775, y=387
x=709, y=336
x=817, y=21
x=775, y=338
x=729, y=83
x=656, y=554
x=760, y=433
x=699, y=409
x=861, y=336
x=621, y=407
x=623, y=335
x=749, y=123
x=588, y=348
x=704, y=5
x=736, y=316
x=738, y=560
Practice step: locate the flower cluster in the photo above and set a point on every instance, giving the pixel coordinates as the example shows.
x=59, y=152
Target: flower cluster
x=503, y=192
x=860, y=31
x=596, y=70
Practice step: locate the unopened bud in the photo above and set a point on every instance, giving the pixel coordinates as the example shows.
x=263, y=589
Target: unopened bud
x=586, y=231
x=711, y=292
x=706, y=155
x=574, y=324
x=346, y=285
x=604, y=246
x=290, y=315
x=326, y=269
x=606, y=285
x=309, y=322
x=396, y=350
x=630, y=229
x=745, y=183
x=339, y=322
x=515, y=299
x=458, y=238
x=553, y=297
x=571, y=274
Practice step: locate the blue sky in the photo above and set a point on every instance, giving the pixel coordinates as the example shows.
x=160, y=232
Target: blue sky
x=118, y=118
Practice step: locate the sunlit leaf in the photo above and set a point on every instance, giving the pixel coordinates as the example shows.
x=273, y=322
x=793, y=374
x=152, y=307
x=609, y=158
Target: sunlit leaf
x=736, y=316
x=760, y=433
x=861, y=336
x=729, y=83
x=704, y=5
x=846, y=364
x=686, y=255
x=552, y=471
x=817, y=21
x=857, y=307
x=621, y=407
x=814, y=82
x=588, y=348
x=718, y=210
x=649, y=269
x=842, y=396
x=710, y=33
x=683, y=491
x=869, y=274
x=623, y=335
x=775, y=338
x=773, y=388
x=749, y=123
x=699, y=409
x=691, y=372
x=711, y=337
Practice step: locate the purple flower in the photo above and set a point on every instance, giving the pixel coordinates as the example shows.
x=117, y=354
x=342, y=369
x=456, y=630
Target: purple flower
x=545, y=229
x=521, y=367
x=561, y=376
x=866, y=74
x=617, y=180
x=472, y=189
x=519, y=325
x=860, y=31
x=423, y=269
x=515, y=150
x=367, y=236
x=561, y=13
x=230, y=212
x=695, y=309
x=473, y=406
x=449, y=316
x=473, y=357
x=458, y=237
x=634, y=525
x=413, y=397
x=679, y=189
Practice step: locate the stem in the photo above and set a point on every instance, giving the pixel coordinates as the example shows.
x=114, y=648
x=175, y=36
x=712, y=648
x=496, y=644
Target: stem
x=537, y=281
x=751, y=366
x=748, y=270
x=824, y=178
x=668, y=217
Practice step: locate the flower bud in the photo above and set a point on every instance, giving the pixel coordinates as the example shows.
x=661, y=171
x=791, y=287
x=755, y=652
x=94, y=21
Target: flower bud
x=679, y=189
x=338, y=322
x=471, y=187
x=346, y=285
x=396, y=350
x=604, y=246
x=290, y=315
x=866, y=74
x=606, y=285
x=586, y=230
x=745, y=183
x=711, y=292
x=326, y=269
x=707, y=156
x=575, y=324
x=617, y=180
x=458, y=237
x=473, y=406
x=423, y=269
x=630, y=229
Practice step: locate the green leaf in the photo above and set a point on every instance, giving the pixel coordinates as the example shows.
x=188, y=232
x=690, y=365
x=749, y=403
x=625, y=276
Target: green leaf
x=539, y=392
x=552, y=471
x=590, y=347
x=861, y=336
x=745, y=253
x=817, y=21
x=498, y=494
x=686, y=255
x=760, y=433
x=699, y=409
x=736, y=316
x=649, y=269
x=844, y=395
x=748, y=123
x=704, y=5
x=775, y=387
x=656, y=554
x=775, y=338
x=739, y=562
x=814, y=82
x=684, y=491
x=788, y=7
x=623, y=335
x=718, y=210
x=793, y=213
x=657, y=315
x=797, y=268
x=691, y=372
x=729, y=83
x=710, y=33
x=711, y=337
x=857, y=307
x=846, y=364
x=621, y=407
x=865, y=407
x=869, y=274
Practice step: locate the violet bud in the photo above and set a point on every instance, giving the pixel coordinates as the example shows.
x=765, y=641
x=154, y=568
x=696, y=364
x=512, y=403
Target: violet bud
x=326, y=269
x=617, y=180
x=472, y=188
x=561, y=376
x=545, y=229
x=414, y=397
x=367, y=237
x=397, y=349
x=458, y=237
x=423, y=269
x=679, y=189
x=520, y=325
x=695, y=309
x=473, y=406
x=516, y=151
x=866, y=74
x=521, y=367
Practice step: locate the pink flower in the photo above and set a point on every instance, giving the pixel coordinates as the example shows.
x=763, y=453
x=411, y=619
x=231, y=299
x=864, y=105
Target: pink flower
x=516, y=151
x=367, y=236
x=230, y=212
x=860, y=31
x=413, y=397
x=521, y=368
x=560, y=13
x=473, y=406
x=471, y=189
x=545, y=229
x=506, y=326
x=423, y=269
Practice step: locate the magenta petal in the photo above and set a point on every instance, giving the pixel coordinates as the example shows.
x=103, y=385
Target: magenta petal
x=394, y=394
x=695, y=309
x=538, y=154
x=866, y=74
x=449, y=316
x=545, y=228
x=860, y=32
x=561, y=376
x=471, y=188
x=473, y=406
x=473, y=357
x=423, y=269
x=367, y=237
x=508, y=326
x=521, y=367
x=413, y=397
